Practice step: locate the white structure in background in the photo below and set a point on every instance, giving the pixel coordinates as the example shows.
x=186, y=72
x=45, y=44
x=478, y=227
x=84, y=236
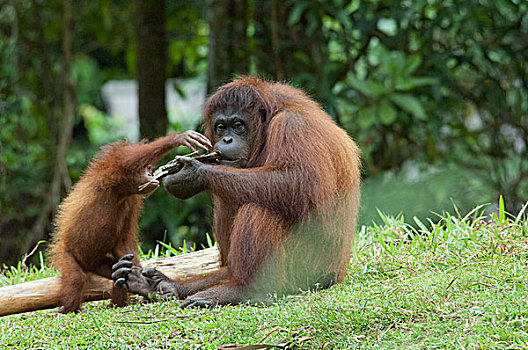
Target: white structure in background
x=121, y=101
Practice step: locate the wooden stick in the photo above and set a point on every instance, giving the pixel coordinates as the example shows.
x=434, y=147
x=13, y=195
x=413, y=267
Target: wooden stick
x=44, y=293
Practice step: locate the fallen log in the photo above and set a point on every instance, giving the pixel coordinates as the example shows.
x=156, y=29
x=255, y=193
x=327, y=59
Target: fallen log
x=44, y=293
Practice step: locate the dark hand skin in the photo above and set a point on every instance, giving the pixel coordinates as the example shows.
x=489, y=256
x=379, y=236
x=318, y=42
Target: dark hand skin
x=148, y=283
x=188, y=181
x=210, y=297
x=130, y=278
x=161, y=283
x=190, y=139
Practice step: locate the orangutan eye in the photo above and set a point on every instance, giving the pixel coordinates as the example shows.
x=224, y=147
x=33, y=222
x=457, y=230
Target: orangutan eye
x=149, y=171
x=239, y=126
x=220, y=128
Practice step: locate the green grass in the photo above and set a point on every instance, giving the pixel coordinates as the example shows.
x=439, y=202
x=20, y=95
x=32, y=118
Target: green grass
x=458, y=283
x=23, y=273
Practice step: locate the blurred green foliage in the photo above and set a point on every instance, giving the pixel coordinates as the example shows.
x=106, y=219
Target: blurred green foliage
x=418, y=84
x=429, y=80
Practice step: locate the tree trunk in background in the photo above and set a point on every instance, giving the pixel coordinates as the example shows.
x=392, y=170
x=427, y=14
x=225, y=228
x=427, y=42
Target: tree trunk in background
x=228, y=44
x=151, y=66
x=264, y=58
x=47, y=88
x=276, y=41
x=69, y=103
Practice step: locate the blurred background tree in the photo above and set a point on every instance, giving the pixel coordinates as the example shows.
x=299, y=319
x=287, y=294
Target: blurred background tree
x=434, y=92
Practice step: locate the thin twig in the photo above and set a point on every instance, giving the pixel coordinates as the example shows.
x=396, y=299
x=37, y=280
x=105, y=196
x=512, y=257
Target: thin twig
x=168, y=319
x=466, y=264
x=490, y=277
x=27, y=255
x=485, y=284
x=278, y=328
x=450, y=284
x=382, y=334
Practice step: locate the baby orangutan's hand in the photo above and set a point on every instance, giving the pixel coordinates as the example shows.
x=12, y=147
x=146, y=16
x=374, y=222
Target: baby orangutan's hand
x=192, y=140
x=130, y=278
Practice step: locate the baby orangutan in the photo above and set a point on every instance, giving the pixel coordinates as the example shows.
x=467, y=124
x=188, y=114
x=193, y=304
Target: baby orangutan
x=97, y=223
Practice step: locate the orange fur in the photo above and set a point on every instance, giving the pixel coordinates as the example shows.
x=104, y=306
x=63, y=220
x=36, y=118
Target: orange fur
x=98, y=221
x=287, y=221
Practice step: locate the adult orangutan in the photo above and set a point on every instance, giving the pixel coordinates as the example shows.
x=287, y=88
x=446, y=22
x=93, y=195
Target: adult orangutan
x=286, y=197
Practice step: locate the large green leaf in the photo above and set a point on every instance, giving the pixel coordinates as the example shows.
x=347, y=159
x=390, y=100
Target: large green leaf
x=367, y=117
x=409, y=104
x=352, y=7
x=393, y=62
x=412, y=63
x=297, y=11
x=387, y=26
x=404, y=84
x=387, y=112
x=367, y=87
